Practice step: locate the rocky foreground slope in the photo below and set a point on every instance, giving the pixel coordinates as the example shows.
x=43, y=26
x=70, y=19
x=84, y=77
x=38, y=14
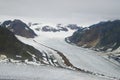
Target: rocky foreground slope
x=12, y=48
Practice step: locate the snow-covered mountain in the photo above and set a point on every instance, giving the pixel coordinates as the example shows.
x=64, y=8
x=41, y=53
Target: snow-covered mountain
x=53, y=28
x=66, y=59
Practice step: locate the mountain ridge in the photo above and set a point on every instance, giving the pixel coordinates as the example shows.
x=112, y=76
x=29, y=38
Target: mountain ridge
x=103, y=34
x=19, y=28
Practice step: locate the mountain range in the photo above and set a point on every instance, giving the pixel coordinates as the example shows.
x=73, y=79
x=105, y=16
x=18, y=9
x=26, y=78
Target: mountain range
x=38, y=44
x=56, y=28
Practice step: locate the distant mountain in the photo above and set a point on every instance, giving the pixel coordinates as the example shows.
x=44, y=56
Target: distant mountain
x=102, y=36
x=19, y=28
x=73, y=26
x=51, y=29
x=57, y=28
x=12, y=48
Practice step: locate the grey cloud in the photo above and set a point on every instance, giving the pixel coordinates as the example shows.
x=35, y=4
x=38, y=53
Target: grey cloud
x=66, y=11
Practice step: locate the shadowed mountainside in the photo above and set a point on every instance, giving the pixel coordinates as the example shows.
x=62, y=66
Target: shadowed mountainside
x=12, y=47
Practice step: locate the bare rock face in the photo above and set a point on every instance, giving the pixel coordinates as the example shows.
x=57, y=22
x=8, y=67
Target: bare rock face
x=102, y=36
x=19, y=28
x=12, y=48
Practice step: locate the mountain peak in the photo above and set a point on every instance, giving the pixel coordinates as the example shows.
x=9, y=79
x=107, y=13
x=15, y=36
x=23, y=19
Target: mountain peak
x=19, y=28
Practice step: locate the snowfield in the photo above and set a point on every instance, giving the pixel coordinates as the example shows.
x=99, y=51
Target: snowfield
x=30, y=72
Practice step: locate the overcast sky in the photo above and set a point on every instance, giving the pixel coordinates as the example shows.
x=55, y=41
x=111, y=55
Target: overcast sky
x=82, y=12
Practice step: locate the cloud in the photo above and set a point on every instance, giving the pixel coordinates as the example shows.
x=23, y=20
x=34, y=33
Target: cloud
x=64, y=11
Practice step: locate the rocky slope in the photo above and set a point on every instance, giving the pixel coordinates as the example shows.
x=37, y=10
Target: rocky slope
x=12, y=48
x=102, y=36
x=19, y=28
